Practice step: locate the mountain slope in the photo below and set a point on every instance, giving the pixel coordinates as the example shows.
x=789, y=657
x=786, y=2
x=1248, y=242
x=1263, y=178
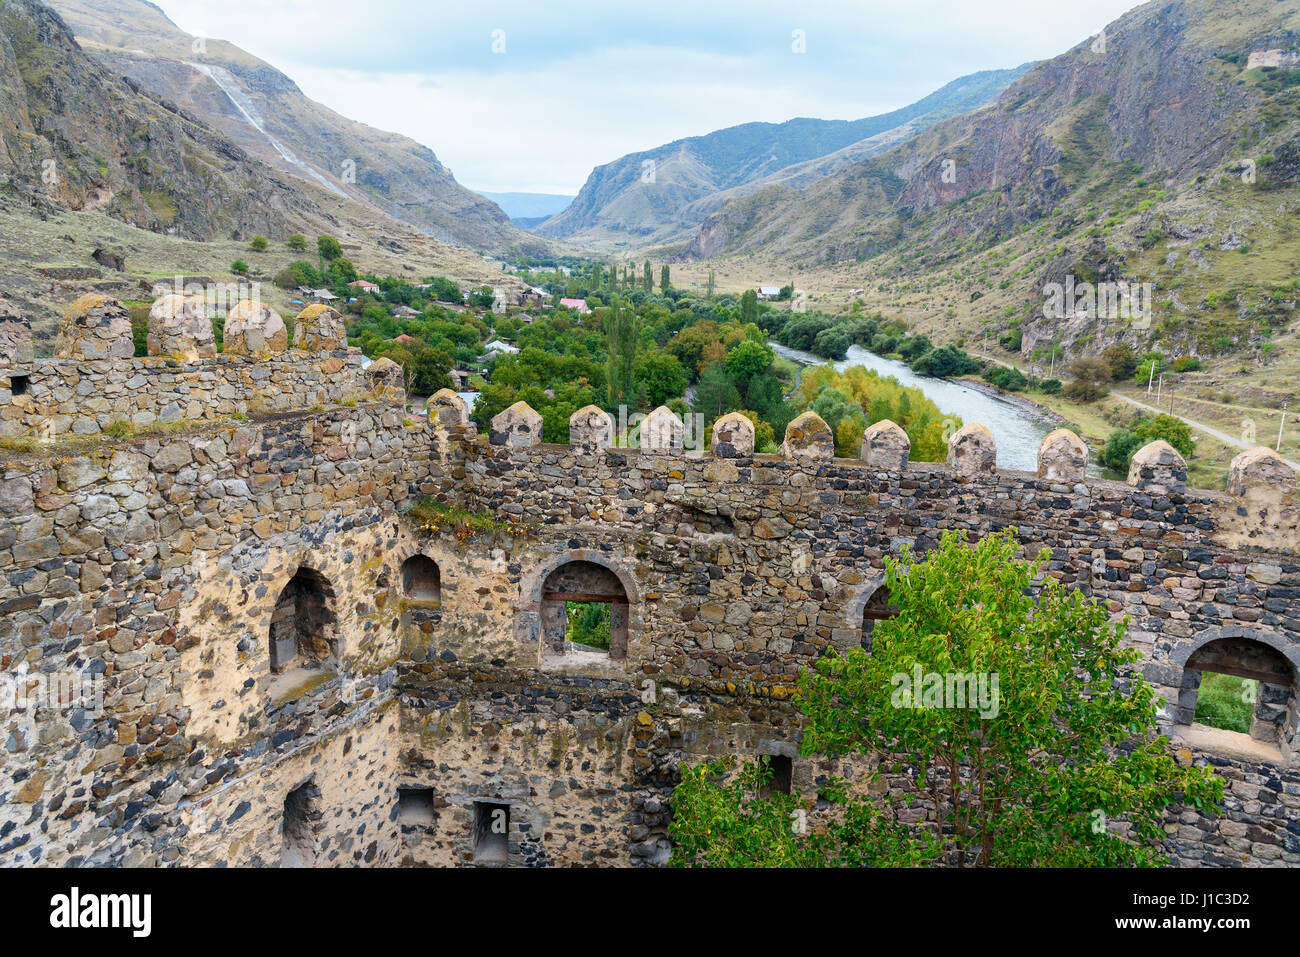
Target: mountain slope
x=75, y=135
x=1168, y=155
x=263, y=111
x=1161, y=96
x=90, y=163
x=624, y=201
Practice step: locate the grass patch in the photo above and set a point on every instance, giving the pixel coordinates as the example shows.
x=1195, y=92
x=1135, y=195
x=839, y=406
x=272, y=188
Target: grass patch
x=430, y=515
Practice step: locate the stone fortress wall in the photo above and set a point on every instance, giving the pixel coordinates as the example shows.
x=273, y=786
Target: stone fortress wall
x=294, y=671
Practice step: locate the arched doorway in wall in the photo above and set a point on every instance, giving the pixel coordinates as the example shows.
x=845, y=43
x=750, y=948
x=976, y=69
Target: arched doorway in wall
x=302, y=633
x=1239, y=692
x=584, y=609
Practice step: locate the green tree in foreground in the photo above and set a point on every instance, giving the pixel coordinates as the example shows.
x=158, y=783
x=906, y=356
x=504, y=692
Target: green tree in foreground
x=1063, y=767
x=297, y=242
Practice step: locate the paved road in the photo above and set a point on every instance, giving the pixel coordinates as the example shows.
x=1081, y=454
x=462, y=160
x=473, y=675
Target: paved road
x=1223, y=437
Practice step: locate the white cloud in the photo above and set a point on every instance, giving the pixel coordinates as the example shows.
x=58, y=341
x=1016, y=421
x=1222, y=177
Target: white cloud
x=586, y=83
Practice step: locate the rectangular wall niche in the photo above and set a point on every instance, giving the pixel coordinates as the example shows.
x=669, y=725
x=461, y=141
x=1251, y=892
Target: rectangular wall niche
x=781, y=769
x=414, y=805
x=18, y=384
x=491, y=832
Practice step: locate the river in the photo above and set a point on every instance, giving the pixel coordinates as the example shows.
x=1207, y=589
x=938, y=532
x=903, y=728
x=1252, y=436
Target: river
x=1018, y=431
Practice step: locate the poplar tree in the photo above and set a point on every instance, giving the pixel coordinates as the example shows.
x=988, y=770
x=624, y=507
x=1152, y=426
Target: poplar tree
x=621, y=341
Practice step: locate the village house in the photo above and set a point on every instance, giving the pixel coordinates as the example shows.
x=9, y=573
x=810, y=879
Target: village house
x=364, y=286
x=768, y=292
x=580, y=305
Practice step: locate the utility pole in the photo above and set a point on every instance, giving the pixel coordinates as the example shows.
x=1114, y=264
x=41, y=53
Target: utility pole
x=1279, y=428
x=1151, y=376
x=1159, y=385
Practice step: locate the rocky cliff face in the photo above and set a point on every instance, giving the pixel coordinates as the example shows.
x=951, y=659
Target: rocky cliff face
x=1158, y=91
x=267, y=115
x=74, y=135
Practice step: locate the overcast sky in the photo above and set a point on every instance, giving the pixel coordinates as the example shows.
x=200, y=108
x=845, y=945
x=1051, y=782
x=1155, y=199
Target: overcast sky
x=580, y=83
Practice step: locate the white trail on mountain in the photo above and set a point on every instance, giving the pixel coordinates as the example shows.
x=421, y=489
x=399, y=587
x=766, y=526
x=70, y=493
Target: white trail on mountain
x=230, y=86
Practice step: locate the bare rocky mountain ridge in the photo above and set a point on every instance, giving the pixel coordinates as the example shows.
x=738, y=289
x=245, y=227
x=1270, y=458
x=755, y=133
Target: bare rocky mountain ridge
x=1157, y=95
x=663, y=195
x=263, y=111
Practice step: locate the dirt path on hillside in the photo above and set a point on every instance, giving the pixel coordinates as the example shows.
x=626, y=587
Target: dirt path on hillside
x=1223, y=437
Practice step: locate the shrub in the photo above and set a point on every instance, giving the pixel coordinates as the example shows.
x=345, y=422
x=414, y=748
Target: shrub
x=1119, y=449
x=944, y=362
x=259, y=244
x=1120, y=360
x=1085, y=390
x=1005, y=378
x=1173, y=430
x=1187, y=364
x=1147, y=369
x=239, y=267
x=297, y=242
x=1051, y=386
x=1222, y=703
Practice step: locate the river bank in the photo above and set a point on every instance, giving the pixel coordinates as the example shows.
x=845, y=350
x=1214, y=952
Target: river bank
x=1017, y=422
x=1050, y=416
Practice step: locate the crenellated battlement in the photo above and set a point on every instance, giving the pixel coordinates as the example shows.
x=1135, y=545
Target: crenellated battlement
x=94, y=383
x=1258, y=511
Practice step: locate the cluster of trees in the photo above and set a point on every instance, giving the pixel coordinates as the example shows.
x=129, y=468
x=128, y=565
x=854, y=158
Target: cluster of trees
x=559, y=369
x=432, y=345
x=831, y=336
x=597, y=282
x=1065, y=769
x=1122, y=443
x=1092, y=375
x=640, y=350
x=852, y=400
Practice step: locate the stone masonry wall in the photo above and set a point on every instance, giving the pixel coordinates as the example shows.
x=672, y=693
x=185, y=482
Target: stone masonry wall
x=80, y=398
x=158, y=565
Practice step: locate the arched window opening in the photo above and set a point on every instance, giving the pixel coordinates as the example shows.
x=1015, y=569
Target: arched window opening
x=421, y=580
x=877, y=608
x=299, y=825
x=584, y=611
x=1237, y=688
x=302, y=624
